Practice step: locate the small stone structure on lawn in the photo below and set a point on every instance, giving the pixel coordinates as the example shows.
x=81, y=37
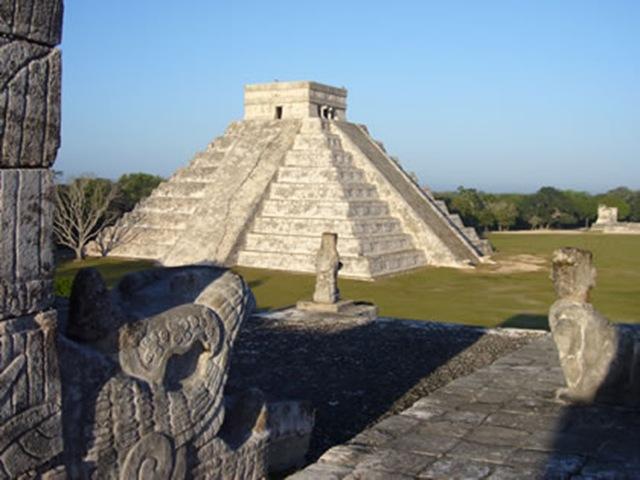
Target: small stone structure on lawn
x=326, y=296
x=327, y=266
x=607, y=222
x=262, y=194
x=600, y=361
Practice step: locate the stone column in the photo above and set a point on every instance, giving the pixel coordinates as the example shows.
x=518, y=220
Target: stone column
x=30, y=400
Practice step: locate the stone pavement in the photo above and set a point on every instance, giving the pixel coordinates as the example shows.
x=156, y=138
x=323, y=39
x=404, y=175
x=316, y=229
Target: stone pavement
x=501, y=422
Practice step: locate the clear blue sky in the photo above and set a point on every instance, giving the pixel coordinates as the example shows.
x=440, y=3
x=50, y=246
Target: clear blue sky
x=497, y=95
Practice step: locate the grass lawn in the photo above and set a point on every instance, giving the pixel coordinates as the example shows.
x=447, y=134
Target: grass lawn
x=482, y=296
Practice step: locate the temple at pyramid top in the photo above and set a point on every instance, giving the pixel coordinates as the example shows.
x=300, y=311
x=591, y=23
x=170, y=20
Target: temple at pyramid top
x=284, y=100
x=263, y=193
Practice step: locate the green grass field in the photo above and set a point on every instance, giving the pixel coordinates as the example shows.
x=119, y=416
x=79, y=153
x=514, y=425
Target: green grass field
x=482, y=296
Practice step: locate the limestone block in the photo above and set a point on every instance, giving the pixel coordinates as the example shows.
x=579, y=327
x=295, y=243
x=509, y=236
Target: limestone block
x=29, y=104
x=36, y=20
x=327, y=266
x=599, y=360
x=30, y=397
x=26, y=255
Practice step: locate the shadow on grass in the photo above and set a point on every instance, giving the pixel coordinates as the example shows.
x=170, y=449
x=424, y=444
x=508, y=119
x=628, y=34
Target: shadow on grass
x=527, y=320
x=352, y=376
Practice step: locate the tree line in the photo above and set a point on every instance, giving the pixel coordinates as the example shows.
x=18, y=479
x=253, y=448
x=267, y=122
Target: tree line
x=547, y=208
x=91, y=210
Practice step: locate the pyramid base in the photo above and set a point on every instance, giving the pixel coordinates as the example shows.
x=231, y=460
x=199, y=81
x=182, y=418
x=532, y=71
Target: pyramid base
x=343, y=308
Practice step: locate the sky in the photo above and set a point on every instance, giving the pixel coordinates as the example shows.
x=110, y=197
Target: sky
x=503, y=96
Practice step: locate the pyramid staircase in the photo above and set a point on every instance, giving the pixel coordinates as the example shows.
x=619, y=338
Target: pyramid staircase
x=481, y=244
x=171, y=212
x=316, y=190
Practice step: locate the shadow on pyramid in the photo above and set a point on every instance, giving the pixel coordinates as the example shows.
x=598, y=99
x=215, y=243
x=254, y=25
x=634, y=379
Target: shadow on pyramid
x=262, y=194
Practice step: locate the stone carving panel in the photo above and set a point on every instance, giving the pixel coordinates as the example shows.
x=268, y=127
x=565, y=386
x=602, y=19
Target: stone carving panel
x=149, y=402
x=29, y=104
x=37, y=20
x=26, y=251
x=30, y=428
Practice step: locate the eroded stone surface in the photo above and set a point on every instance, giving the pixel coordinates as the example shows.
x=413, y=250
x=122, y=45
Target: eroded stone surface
x=459, y=431
x=26, y=269
x=29, y=104
x=599, y=360
x=30, y=391
x=327, y=266
x=148, y=401
x=30, y=428
x=39, y=21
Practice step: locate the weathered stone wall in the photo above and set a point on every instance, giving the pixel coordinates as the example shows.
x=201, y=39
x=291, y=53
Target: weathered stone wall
x=30, y=427
x=296, y=100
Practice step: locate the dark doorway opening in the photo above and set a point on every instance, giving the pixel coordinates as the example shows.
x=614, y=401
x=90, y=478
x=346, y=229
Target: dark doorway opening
x=278, y=113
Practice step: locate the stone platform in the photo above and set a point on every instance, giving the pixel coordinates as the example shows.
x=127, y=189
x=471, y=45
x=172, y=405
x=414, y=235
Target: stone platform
x=501, y=422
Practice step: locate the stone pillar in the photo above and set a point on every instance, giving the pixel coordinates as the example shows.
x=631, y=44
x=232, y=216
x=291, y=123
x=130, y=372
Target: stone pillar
x=30, y=427
x=327, y=266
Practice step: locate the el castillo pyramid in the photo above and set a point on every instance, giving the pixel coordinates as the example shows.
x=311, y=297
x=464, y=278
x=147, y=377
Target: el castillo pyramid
x=262, y=194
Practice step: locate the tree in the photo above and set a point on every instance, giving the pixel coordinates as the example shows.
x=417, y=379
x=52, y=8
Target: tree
x=82, y=212
x=134, y=187
x=584, y=206
x=548, y=206
x=468, y=204
x=119, y=232
x=504, y=213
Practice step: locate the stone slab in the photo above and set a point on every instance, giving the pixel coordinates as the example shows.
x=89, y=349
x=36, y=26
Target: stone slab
x=30, y=396
x=29, y=104
x=26, y=269
x=35, y=20
x=344, y=309
x=493, y=435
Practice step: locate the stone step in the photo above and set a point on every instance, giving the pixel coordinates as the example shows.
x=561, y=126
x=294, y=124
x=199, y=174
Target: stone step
x=314, y=125
x=185, y=205
x=141, y=235
x=311, y=191
x=316, y=226
x=457, y=221
x=319, y=174
x=324, y=209
x=485, y=246
x=442, y=205
x=389, y=263
x=175, y=189
x=313, y=141
x=321, y=158
x=354, y=267
x=196, y=174
x=157, y=219
x=471, y=234
x=207, y=159
x=347, y=246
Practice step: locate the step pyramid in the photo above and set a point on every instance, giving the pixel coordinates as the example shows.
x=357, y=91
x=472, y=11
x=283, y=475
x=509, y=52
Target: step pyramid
x=262, y=194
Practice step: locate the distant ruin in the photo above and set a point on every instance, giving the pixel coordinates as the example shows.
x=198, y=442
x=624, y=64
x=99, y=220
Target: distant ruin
x=607, y=222
x=262, y=194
